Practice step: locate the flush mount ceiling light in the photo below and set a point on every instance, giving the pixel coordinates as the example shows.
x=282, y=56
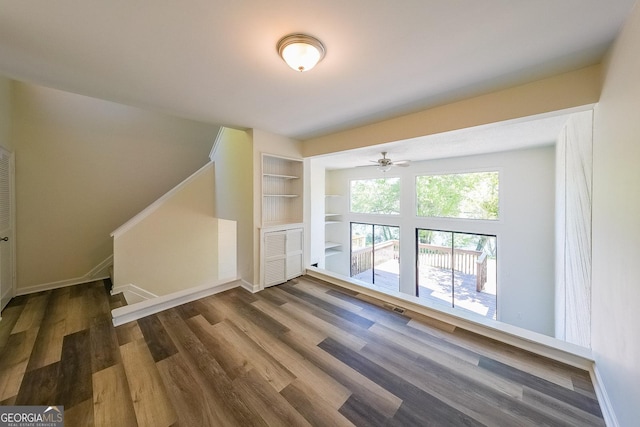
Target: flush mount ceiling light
x=300, y=51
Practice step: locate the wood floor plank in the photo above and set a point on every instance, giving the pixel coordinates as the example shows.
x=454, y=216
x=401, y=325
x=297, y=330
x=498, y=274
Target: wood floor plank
x=416, y=404
x=257, y=358
x=128, y=332
x=385, y=402
x=202, y=361
x=465, y=368
x=158, y=341
x=547, y=387
x=80, y=415
x=336, y=393
x=328, y=307
x=40, y=386
x=150, y=400
x=207, y=310
x=47, y=348
x=32, y=313
x=312, y=405
x=327, y=323
x=14, y=359
x=10, y=316
x=517, y=358
x=112, y=404
x=264, y=400
x=105, y=351
x=75, y=384
x=567, y=413
x=466, y=394
x=195, y=405
x=314, y=335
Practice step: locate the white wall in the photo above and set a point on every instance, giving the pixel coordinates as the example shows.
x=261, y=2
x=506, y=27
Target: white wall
x=615, y=323
x=233, y=160
x=525, y=230
x=179, y=244
x=574, y=175
x=84, y=166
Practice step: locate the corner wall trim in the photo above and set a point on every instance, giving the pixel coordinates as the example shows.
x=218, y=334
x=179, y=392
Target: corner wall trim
x=129, y=313
x=539, y=344
x=249, y=287
x=603, y=398
x=133, y=293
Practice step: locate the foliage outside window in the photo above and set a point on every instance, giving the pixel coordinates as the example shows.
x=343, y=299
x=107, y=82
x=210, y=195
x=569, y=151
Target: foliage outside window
x=467, y=195
x=376, y=196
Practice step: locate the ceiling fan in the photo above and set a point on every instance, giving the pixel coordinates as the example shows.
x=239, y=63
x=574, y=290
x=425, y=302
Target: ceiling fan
x=384, y=164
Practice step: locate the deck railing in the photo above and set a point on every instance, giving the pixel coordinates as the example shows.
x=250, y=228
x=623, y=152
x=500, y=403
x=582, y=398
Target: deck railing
x=362, y=259
x=464, y=261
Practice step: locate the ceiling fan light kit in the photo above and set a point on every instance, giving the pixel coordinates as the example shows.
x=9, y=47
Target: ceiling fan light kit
x=385, y=163
x=301, y=51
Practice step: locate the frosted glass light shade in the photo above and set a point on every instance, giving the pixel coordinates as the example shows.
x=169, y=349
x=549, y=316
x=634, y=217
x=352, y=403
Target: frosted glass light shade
x=301, y=52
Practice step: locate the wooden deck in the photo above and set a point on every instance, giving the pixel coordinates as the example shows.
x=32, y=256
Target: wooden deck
x=435, y=287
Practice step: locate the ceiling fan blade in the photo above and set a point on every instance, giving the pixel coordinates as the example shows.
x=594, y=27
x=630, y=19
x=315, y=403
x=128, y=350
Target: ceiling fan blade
x=402, y=163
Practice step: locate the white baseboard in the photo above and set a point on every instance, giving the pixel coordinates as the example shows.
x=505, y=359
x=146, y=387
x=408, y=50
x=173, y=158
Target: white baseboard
x=4, y=299
x=603, y=398
x=249, y=287
x=56, y=285
x=101, y=269
x=133, y=294
x=534, y=342
x=133, y=312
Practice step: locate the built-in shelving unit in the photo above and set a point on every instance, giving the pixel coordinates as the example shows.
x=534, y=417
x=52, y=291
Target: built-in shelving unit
x=331, y=247
x=282, y=233
x=282, y=188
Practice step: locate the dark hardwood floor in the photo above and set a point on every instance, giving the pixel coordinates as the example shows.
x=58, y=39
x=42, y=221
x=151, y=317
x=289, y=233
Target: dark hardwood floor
x=302, y=353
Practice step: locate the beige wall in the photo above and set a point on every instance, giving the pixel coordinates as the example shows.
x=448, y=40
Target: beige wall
x=85, y=166
x=233, y=163
x=615, y=323
x=176, y=246
x=564, y=91
x=5, y=113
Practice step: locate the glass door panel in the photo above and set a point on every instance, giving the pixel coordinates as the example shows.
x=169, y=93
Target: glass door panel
x=434, y=254
x=375, y=255
x=457, y=269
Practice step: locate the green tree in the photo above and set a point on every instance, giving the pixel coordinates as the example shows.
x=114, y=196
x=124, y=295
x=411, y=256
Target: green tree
x=376, y=196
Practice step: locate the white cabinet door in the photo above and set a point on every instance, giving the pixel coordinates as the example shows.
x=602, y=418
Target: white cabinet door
x=294, y=253
x=283, y=257
x=275, y=257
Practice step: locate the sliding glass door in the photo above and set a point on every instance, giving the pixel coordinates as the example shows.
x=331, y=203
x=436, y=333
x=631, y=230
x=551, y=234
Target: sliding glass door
x=375, y=256
x=457, y=270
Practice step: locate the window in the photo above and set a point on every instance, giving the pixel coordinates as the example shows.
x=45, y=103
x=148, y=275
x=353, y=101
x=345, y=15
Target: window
x=375, y=254
x=463, y=195
x=457, y=269
x=376, y=196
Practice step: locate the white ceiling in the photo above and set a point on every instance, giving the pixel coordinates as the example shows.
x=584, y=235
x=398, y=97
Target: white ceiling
x=216, y=60
x=498, y=137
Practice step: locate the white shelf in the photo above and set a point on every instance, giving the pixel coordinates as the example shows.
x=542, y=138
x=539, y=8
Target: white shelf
x=329, y=245
x=332, y=222
x=282, y=190
x=275, y=175
x=329, y=252
x=332, y=214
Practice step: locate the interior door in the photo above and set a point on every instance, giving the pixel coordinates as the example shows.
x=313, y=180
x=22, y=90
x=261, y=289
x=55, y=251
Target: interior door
x=6, y=227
